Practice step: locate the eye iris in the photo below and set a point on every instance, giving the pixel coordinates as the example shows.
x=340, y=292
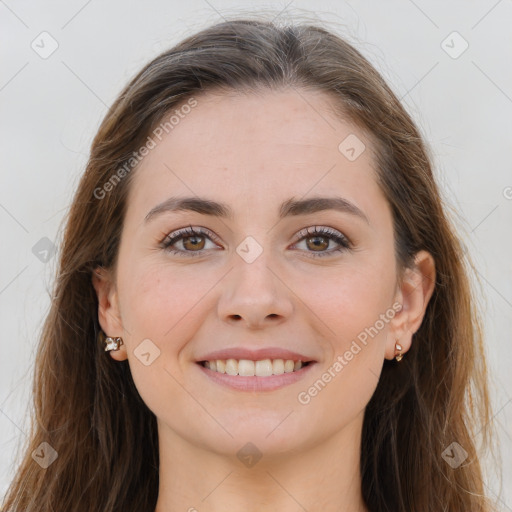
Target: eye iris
x=315, y=245
x=195, y=238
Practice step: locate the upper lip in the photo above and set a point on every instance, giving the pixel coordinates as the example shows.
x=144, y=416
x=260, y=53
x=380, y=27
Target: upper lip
x=255, y=354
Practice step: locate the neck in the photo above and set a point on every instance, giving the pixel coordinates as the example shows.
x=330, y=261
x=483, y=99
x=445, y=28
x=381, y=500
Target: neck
x=324, y=477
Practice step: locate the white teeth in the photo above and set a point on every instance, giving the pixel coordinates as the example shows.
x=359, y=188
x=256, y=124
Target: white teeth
x=221, y=366
x=248, y=368
x=232, y=367
x=278, y=366
x=263, y=368
x=288, y=366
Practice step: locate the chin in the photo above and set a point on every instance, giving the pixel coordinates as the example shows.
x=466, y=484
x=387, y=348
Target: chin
x=269, y=435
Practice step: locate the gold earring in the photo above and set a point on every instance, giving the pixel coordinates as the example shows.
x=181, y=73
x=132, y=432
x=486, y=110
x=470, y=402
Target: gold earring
x=399, y=356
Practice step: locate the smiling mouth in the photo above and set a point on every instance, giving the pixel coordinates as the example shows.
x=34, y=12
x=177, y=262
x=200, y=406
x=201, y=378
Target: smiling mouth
x=249, y=368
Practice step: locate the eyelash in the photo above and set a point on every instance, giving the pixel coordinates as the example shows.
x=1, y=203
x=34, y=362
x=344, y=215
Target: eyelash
x=306, y=233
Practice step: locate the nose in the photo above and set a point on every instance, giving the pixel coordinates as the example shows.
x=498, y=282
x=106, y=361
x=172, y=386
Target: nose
x=255, y=295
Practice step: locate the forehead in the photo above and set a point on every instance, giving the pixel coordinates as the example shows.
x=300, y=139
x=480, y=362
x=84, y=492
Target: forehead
x=261, y=147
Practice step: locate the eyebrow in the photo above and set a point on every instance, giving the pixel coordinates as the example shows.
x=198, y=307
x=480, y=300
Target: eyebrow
x=290, y=207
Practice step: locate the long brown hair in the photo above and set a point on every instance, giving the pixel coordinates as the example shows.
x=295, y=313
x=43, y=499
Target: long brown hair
x=87, y=407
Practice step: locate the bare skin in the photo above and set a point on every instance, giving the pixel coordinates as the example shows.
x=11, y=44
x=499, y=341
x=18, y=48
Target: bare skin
x=253, y=152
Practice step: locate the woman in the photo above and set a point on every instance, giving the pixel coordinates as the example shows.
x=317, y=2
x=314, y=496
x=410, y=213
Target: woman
x=261, y=303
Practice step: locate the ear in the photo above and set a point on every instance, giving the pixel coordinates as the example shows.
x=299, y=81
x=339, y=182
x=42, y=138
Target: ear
x=414, y=294
x=109, y=315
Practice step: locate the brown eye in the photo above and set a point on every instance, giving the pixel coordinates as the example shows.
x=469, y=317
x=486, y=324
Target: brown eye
x=318, y=242
x=193, y=242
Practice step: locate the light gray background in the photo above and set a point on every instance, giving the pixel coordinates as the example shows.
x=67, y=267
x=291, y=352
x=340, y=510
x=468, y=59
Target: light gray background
x=51, y=108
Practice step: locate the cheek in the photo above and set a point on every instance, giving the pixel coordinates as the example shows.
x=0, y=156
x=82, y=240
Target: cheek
x=156, y=300
x=354, y=310
x=350, y=309
x=158, y=304
x=349, y=299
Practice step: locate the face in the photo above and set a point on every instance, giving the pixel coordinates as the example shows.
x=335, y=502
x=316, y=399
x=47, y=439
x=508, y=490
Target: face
x=320, y=282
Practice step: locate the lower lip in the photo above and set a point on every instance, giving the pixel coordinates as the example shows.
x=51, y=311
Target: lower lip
x=255, y=383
